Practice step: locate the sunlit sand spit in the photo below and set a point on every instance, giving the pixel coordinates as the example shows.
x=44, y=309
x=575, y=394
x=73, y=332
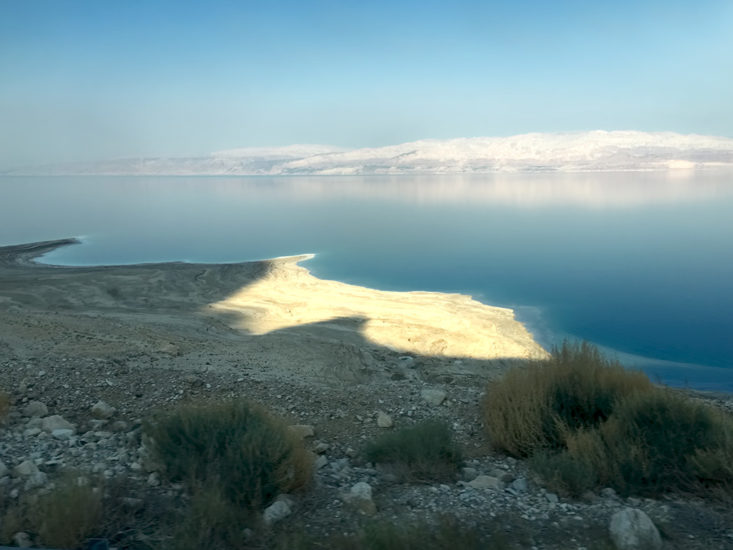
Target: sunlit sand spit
x=425, y=323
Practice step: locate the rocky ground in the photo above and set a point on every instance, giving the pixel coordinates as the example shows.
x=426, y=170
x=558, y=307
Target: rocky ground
x=82, y=382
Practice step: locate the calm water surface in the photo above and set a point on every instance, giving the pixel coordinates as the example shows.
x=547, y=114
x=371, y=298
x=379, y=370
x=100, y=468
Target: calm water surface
x=641, y=264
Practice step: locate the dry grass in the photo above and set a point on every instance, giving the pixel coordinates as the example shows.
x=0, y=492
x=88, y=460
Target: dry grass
x=536, y=407
x=424, y=452
x=63, y=517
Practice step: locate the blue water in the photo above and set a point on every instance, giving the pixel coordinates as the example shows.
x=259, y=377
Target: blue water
x=640, y=264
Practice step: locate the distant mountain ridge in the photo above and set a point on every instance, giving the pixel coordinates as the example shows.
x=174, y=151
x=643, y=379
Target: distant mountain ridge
x=562, y=152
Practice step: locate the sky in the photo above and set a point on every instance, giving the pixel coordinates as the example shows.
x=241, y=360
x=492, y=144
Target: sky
x=91, y=80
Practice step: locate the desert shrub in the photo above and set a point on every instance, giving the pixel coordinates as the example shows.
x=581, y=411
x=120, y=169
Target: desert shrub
x=536, y=407
x=563, y=473
x=69, y=514
x=657, y=442
x=234, y=445
x=425, y=451
x=211, y=521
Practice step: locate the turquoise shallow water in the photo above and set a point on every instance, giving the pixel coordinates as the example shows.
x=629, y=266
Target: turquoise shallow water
x=640, y=264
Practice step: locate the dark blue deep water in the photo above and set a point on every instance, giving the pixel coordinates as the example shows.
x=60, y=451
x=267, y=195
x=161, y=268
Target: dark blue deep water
x=638, y=263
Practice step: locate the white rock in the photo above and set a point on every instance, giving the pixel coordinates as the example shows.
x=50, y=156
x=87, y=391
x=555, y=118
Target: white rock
x=360, y=497
x=55, y=422
x=487, y=482
x=384, y=420
x=154, y=479
x=433, y=397
x=631, y=529
x=320, y=462
x=25, y=468
x=102, y=410
x=35, y=409
x=302, y=430
x=276, y=511
x=22, y=540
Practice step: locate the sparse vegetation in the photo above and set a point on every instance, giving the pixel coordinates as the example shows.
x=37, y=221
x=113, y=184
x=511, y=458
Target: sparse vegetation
x=534, y=408
x=384, y=535
x=235, y=446
x=585, y=422
x=63, y=517
x=424, y=452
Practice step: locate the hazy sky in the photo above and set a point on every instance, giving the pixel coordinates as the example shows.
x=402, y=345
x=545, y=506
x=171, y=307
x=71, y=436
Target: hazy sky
x=85, y=80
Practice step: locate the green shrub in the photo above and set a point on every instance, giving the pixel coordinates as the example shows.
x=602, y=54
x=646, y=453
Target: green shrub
x=657, y=442
x=536, y=407
x=235, y=446
x=425, y=451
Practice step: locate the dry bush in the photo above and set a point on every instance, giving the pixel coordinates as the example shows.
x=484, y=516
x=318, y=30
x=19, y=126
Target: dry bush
x=658, y=442
x=236, y=446
x=425, y=452
x=536, y=407
x=68, y=514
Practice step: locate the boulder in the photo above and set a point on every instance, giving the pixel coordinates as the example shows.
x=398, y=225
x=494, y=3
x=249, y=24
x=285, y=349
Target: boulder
x=55, y=422
x=35, y=409
x=487, y=482
x=276, y=511
x=433, y=397
x=631, y=529
x=384, y=420
x=360, y=497
x=102, y=410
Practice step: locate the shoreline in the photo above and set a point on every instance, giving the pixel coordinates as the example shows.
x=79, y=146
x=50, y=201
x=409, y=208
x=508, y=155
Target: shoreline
x=268, y=307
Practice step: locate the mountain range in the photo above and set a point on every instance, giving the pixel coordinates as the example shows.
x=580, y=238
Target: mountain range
x=560, y=152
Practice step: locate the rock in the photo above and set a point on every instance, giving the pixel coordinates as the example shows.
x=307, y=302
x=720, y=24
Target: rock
x=551, y=498
x=486, y=482
x=25, y=468
x=519, y=485
x=62, y=434
x=433, y=397
x=320, y=462
x=154, y=479
x=468, y=473
x=302, y=431
x=276, y=511
x=119, y=426
x=35, y=480
x=55, y=422
x=22, y=540
x=360, y=497
x=608, y=492
x=3, y=469
x=321, y=447
x=102, y=410
x=35, y=409
x=384, y=420
x=631, y=529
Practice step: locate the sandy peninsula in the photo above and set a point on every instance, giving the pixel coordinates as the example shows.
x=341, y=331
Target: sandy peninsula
x=274, y=311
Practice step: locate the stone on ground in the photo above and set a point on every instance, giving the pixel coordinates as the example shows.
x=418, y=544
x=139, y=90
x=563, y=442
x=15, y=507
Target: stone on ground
x=631, y=529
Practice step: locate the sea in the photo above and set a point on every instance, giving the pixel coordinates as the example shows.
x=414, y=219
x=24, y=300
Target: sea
x=638, y=263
